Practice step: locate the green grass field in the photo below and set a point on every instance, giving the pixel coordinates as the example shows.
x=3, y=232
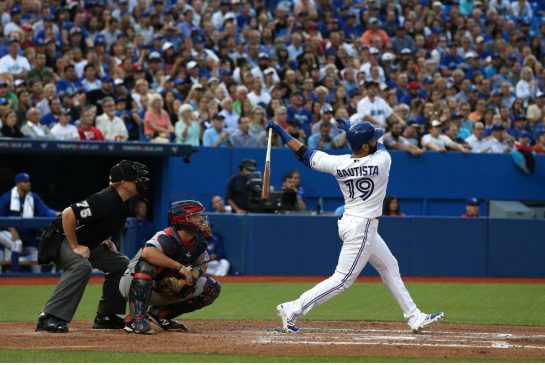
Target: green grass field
x=507, y=304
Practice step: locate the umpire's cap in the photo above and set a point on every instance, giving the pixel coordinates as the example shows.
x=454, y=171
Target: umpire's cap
x=248, y=164
x=123, y=170
x=362, y=133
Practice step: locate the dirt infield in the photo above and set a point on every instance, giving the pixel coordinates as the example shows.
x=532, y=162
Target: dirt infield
x=328, y=338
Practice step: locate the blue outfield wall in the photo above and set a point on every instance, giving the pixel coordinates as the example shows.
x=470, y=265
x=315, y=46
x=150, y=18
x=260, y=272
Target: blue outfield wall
x=294, y=244
x=263, y=244
x=434, y=184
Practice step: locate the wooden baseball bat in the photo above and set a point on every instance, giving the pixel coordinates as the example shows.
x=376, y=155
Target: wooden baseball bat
x=266, y=184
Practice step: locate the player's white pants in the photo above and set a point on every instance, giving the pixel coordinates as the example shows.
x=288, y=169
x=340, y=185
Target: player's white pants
x=218, y=267
x=361, y=243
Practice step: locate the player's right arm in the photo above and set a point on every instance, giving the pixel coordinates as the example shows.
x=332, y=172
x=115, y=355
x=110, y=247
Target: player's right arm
x=154, y=253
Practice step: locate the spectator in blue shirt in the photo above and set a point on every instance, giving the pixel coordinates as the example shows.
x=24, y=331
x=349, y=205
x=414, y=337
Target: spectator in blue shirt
x=21, y=202
x=297, y=112
x=217, y=135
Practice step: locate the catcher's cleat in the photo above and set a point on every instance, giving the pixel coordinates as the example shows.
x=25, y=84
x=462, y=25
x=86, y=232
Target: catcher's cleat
x=427, y=320
x=51, y=323
x=108, y=322
x=287, y=324
x=140, y=325
x=168, y=324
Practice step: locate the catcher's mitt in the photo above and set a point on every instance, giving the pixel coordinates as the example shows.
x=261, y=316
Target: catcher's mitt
x=175, y=286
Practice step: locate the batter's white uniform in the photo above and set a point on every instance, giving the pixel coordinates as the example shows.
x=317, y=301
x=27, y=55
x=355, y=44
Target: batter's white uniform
x=363, y=182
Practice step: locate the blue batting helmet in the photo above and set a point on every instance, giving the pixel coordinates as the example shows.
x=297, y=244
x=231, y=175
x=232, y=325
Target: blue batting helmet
x=362, y=133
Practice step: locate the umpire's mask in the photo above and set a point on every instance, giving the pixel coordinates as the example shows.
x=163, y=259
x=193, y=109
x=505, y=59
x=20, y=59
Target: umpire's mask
x=142, y=181
x=129, y=170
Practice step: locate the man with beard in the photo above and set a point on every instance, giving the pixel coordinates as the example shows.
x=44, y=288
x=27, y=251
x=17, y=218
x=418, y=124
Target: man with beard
x=393, y=141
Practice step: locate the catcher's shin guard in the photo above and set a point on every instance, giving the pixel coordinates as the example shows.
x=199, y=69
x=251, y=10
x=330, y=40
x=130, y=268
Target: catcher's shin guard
x=140, y=291
x=210, y=292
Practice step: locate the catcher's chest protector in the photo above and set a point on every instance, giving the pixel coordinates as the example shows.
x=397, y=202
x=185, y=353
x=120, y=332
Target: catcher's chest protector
x=185, y=254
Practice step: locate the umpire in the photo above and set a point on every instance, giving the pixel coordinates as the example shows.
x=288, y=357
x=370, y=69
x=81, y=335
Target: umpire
x=84, y=240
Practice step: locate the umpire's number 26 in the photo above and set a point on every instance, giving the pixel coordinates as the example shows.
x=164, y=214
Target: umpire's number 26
x=364, y=186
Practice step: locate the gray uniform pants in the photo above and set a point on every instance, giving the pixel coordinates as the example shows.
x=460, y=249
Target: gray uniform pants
x=76, y=273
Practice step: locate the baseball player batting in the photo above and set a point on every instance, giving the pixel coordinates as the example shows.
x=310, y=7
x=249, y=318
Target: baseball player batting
x=362, y=177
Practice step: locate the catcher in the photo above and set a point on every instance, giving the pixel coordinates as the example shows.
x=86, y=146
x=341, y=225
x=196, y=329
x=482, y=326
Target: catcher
x=167, y=272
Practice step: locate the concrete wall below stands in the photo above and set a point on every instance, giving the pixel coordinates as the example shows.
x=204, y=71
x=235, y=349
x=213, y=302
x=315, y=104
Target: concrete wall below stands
x=424, y=246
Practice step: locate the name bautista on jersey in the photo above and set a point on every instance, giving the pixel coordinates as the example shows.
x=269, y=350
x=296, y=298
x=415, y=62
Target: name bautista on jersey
x=358, y=171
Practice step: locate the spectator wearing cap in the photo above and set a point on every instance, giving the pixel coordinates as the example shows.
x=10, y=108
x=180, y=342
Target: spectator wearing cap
x=218, y=18
x=472, y=208
x=527, y=86
x=10, y=129
x=393, y=140
x=87, y=130
x=497, y=143
x=262, y=65
x=20, y=201
x=436, y=141
x=374, y=30
x=523, y=142
x=157, y=125
x=326, y=116
x=69, y=82
x=411, y=134
x=299, y=113
x=372, y=63
x=402, y=40
x=476, y=141
x=375, y=109
x=14, y=64
x=451, y=59
x=90, y=81
x=63, y=130
x=112, y=127
x=217, y=135
x=187, y=129
x=32, y=128
x=519, y=126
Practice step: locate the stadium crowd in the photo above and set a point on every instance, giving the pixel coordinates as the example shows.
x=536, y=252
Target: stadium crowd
x=460, y=75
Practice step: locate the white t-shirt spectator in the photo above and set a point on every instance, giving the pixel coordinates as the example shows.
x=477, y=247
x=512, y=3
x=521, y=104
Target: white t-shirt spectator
x=112, y=129
x=526, y=91
x=441, y=141
x=496, y=146
x=477, y=145
x=379, y=109
x=65, y=132
x=8, y=65
x=255, y=99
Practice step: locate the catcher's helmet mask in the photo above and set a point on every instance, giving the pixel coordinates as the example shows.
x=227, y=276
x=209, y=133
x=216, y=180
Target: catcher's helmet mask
x=187, y=214
x=362, y=133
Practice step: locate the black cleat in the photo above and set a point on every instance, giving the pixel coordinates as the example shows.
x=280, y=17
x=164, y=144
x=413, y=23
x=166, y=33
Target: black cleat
x=108, y=322
x=51, y=324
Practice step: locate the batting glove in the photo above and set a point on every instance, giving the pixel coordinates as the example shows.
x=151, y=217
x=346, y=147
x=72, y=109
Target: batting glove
x=343, y=124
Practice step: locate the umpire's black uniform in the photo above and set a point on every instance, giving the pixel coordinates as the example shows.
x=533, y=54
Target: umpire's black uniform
x=97, y=218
